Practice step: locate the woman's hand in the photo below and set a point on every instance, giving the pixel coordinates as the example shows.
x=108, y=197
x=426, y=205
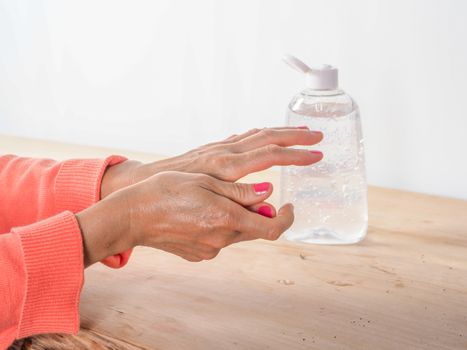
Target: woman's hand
x=228, y=160
x=190, y=215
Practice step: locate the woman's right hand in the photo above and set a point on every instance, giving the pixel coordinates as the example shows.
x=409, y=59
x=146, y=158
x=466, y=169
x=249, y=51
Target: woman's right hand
x=228, y=160
x=190, y=215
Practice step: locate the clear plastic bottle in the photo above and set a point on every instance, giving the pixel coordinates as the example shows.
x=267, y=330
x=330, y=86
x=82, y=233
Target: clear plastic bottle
x=330, y=197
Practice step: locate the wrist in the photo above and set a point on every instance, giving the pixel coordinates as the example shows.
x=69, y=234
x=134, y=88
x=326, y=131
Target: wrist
x=105, y=229
x=119, y=176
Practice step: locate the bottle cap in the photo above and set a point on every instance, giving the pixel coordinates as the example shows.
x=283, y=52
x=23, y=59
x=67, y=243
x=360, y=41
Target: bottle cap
x=324, y=77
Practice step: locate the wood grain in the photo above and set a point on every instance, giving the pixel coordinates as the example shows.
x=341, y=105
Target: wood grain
x=404, y=287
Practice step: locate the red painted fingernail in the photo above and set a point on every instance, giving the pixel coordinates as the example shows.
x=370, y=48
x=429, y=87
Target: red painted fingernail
x=262, y=187
x=265, y=211
x=318, y=153
x=302, y=127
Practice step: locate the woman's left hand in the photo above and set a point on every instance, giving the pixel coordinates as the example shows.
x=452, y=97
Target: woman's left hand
x=228, y=160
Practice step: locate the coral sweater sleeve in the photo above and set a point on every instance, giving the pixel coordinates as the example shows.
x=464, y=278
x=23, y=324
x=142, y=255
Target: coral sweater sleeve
x=41, y=252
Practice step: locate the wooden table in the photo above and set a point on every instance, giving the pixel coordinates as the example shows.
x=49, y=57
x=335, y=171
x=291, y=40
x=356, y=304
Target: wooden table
x=404, y=286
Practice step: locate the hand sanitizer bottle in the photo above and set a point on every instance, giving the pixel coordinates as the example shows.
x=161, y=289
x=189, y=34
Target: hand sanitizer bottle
x=330, y=197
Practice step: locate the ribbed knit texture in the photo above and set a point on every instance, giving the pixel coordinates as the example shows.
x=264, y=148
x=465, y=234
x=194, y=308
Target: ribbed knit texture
x=53, y=260
x=78, y=183
x=12, y=285
x=41, y=252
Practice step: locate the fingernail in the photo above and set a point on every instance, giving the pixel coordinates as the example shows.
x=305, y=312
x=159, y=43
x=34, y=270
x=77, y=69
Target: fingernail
x=302, y=127
x=316, y=132
x=262, y=187
x=265, y=211
x=318, y=153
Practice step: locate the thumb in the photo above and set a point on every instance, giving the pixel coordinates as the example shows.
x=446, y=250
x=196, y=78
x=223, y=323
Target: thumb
x=264, y=209
x=243, y=194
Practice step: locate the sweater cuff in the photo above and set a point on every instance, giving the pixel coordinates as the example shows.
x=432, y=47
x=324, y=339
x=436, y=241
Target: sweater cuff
x=53, y=261
x=78, y=183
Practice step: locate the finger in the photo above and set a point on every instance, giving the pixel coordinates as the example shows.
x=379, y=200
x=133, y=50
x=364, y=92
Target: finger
x=268, y=156
x=228, y=140
x=255, y=226
x=118, y=260
x=280, y=137
x=241, y=193
x=230, y=137
x=236, y=138
x=233, y=138
x=264, y=209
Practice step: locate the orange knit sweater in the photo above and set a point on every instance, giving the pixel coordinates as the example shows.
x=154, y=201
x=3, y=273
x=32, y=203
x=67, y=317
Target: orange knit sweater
x=41, y=252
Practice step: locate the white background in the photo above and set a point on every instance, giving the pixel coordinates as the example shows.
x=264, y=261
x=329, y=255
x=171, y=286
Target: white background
x=166, y=76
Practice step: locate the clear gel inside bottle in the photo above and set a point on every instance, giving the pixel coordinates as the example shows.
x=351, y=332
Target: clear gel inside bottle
x=330, y=197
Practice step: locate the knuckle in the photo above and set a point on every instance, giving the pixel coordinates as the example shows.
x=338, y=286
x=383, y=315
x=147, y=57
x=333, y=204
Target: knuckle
x=202, y=150
x=254, y=131
x=240, y=190
x=221, y=165
x=204, y=179
x=267, y=133
x=272, y=148
x=272, y=234
x=219, y=161
x=197, y=152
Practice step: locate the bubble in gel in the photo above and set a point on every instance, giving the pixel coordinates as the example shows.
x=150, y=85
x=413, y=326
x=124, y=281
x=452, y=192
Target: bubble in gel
x=330, y=197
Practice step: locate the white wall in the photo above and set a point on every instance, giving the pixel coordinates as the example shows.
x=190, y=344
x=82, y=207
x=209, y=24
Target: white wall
x=165, y=76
